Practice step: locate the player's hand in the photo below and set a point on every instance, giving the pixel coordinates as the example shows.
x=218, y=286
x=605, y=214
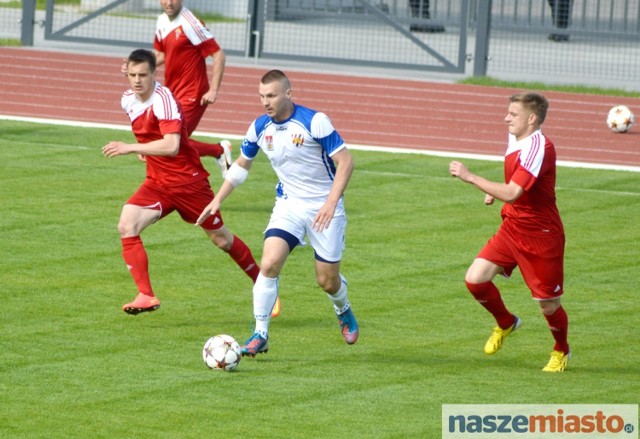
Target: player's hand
x=209, y=97
x=142, y=157
x=113, y=149
x=457, y=169
x=323, y=218
x=488, y=199
x=208, y=211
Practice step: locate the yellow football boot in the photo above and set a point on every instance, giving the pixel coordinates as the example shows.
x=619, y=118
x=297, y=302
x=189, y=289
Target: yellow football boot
x=494, y=343
x=557, y=362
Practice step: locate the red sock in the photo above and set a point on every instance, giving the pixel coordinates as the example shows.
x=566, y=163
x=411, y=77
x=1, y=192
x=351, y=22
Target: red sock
x=242, y=255
x=487, y=295
x=207, y=149
x=135, y=256
x=559, y=325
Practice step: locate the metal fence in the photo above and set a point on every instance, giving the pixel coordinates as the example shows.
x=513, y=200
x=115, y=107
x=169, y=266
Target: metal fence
x=604, y=44
x=441, y=35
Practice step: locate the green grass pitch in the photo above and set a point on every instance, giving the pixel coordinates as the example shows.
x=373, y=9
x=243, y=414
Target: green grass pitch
x=73, y=365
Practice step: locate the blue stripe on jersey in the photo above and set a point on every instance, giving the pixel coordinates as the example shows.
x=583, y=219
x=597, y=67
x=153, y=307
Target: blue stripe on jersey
x=261, y=122
x=304, y=116
x=328, y=164
x=331, y=142
x=279, y=190
x=251, y=149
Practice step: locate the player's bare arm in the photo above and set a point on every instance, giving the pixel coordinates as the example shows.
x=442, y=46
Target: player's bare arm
x=219, y=60
x=508, y=193
x=235, y=176
x=159, y=57
x=169, y=145
x=344, y=168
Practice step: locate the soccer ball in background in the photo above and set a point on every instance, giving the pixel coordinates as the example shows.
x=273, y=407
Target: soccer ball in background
x=221, y=352
x=620, y=119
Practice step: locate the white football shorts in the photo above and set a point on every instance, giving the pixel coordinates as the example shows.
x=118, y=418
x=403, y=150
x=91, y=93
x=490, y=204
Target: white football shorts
x=293, y=217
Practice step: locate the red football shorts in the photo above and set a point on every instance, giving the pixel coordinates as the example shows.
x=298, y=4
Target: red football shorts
x=540, y=259
x=188, y=200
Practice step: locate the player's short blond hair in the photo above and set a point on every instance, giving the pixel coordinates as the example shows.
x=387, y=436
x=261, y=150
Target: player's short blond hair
x=276, y=76
x=534, y=102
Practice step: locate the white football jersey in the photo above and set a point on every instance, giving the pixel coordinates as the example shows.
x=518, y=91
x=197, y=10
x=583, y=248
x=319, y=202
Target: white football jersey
x=300, y=151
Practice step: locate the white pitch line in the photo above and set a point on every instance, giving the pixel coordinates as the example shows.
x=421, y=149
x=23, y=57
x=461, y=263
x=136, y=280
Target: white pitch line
x=599, y=191
x=463, y=155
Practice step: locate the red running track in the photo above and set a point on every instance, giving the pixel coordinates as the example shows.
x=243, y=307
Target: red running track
x=368, y=111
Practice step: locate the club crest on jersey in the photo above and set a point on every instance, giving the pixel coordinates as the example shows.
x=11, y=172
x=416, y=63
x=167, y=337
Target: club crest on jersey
x=268, y=140
x=297, y=140
x=178, y=33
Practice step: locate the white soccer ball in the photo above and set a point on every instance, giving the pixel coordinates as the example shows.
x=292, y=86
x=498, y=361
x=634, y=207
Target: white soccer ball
x=222, y=352
x=620, y=119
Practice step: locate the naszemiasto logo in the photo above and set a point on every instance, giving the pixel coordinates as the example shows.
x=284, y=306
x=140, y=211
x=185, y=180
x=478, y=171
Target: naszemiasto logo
x=488, y=421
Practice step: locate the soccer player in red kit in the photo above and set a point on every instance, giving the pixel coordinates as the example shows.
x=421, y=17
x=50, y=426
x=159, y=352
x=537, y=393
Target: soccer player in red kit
x=183, y=43
x=531, y=235
x=176, y=179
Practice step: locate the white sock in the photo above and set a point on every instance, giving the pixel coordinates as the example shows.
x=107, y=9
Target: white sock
x=340, y=299
x=265, y=292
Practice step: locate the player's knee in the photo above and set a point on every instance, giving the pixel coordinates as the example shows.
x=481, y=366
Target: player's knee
x=329, y=283
x=126, y=229
x=222, y=242
x=222, y=238
x=270, y=267
x=472, y=277
x=549, y=307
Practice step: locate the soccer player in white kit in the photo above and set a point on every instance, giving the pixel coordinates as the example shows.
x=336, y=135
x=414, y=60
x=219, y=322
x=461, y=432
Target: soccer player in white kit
x=313, y=166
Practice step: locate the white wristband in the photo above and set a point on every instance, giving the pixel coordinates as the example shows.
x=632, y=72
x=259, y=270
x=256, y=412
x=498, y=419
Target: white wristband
x=236, y=175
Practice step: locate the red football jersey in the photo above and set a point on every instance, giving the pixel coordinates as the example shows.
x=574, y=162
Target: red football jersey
x=531, y=163
x=186, y=43
x=150, y=121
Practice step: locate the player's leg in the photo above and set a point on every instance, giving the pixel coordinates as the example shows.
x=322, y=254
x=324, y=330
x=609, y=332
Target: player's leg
x=420, y=9
x=284, y=232
x=236, y=248
x=190, y=200
x=560, y=14
x=554, y=11
x=278, y=244
x=207, y=149
x=133, y=220
x=334, y=284
x=558, y=322
x=220, y=151
x=479, y=281
x=542, y=269
x=329, y=245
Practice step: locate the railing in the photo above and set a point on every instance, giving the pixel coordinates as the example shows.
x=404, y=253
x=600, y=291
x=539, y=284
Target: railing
x=604, y=44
